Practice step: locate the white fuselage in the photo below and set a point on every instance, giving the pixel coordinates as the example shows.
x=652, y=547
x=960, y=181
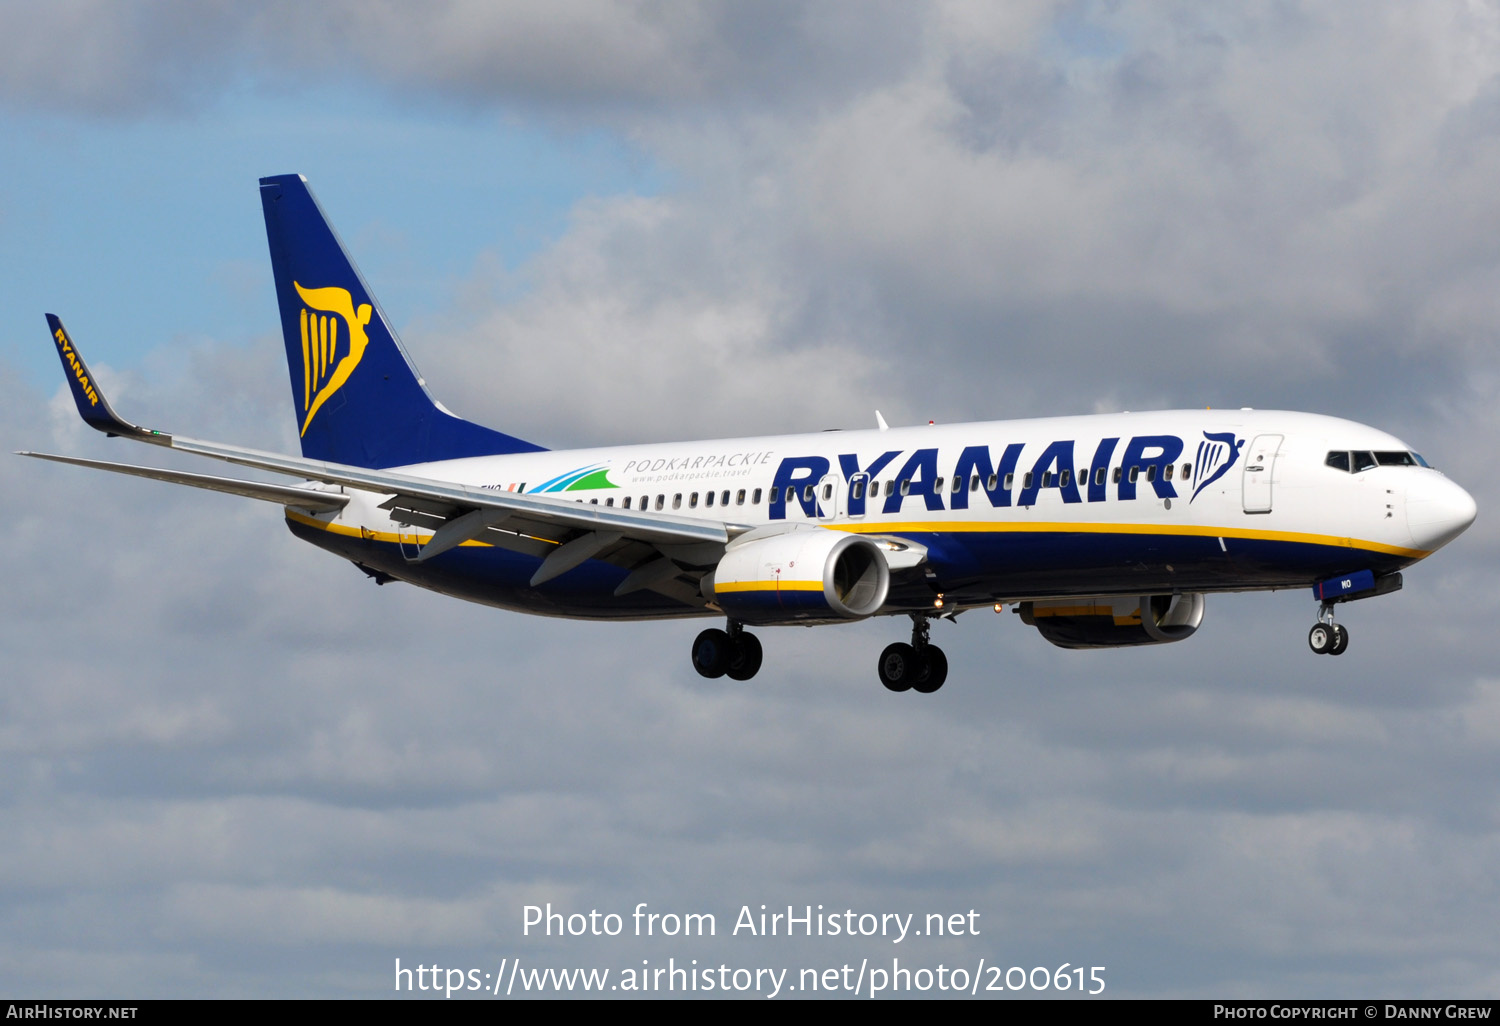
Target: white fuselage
x=1203, y=500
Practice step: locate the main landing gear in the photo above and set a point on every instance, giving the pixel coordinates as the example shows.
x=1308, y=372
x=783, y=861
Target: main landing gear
x=732, y=652
x=920, y=666
x=1327, y=637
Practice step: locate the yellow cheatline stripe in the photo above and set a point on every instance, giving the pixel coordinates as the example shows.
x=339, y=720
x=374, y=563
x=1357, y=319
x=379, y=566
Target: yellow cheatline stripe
x=974, y=527
x=769, y=586
x=1043, y=612
x=1061, y=527
x=1093, y=609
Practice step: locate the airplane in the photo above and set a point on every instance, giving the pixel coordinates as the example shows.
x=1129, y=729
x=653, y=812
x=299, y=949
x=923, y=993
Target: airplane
x=1100, y=531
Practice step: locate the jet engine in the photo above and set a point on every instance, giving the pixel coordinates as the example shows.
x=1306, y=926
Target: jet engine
x=1115, y=622
x=803, y=575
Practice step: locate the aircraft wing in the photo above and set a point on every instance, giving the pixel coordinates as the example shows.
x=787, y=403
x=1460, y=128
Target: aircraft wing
x=286, y=495
x=564, y=533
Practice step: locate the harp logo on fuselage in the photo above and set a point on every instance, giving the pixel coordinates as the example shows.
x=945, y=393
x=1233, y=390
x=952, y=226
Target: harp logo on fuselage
x=329, y=353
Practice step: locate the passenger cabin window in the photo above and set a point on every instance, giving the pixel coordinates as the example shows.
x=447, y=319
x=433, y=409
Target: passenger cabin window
x=693, y=501
x=739, y=496
x=1167, y=474
x=610, y=501
x=890, y=486
x=755, y=497
x=827, y=493
x=1187, y=471
x=661, y=500
x=1151, y=472
x=626, y=503
x=974, y=485
x=1119, y=473
x=724, y=496
x=1010, y=480
x=1026, y=481
x=807, y=495
x=1099, y=476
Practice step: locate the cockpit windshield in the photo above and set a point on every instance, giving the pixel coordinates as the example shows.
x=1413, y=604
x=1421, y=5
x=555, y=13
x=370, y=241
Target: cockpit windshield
x=1352, y=462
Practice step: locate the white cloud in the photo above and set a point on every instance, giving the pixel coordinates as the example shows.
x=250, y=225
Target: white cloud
x=224, y=752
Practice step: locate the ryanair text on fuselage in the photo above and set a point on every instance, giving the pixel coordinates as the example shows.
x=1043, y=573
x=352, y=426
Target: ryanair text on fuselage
x=1148, y=460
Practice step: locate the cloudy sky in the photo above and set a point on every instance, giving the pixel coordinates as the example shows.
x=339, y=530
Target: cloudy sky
x=230, y=765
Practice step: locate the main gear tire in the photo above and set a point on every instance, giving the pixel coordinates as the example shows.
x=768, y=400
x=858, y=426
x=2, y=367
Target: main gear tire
x=744, y=657
x=899, y=666
x=712, y=651
x=933, y=672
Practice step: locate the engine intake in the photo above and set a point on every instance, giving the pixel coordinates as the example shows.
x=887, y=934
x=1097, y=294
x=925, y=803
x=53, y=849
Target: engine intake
x=805, y=575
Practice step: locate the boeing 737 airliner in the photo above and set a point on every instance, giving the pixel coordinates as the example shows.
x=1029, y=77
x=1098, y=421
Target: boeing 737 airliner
x=1100, y=531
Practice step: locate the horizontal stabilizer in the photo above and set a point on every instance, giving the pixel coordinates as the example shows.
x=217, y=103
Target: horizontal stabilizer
x=286, y=495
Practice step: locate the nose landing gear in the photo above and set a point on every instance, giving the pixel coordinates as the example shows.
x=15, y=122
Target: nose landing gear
x=920, y=666
x=729, y=652
x=1327, y=637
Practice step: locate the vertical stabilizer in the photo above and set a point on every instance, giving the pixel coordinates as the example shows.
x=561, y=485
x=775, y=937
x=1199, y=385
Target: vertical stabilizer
x=357, y=398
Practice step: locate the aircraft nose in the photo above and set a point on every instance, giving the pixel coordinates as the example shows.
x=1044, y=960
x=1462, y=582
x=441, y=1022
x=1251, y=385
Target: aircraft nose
x=1437, y=511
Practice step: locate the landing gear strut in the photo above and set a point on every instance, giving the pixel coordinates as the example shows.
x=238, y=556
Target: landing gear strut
x=919, y=666
x=732, y=652
x=1327, y=637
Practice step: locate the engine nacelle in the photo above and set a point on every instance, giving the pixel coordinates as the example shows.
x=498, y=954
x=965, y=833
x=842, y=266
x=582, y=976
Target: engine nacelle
x=1115, y=622
x=804, y=575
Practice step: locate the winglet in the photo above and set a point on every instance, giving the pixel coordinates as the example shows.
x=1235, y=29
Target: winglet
x=92, y=406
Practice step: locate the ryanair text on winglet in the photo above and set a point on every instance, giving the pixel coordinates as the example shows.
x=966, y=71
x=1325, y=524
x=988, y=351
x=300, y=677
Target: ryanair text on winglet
x=83, y=379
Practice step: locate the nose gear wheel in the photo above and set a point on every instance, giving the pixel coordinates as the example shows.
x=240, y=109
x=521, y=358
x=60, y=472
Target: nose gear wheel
x=1327, y=637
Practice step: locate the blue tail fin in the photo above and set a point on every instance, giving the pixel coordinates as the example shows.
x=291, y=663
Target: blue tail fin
x=357, y=398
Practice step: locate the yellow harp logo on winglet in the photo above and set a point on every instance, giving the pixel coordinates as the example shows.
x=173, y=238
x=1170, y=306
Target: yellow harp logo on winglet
x=324, y=371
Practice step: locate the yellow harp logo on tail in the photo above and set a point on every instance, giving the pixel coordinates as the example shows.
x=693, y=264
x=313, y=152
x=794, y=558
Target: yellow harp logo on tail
x=324, y=371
